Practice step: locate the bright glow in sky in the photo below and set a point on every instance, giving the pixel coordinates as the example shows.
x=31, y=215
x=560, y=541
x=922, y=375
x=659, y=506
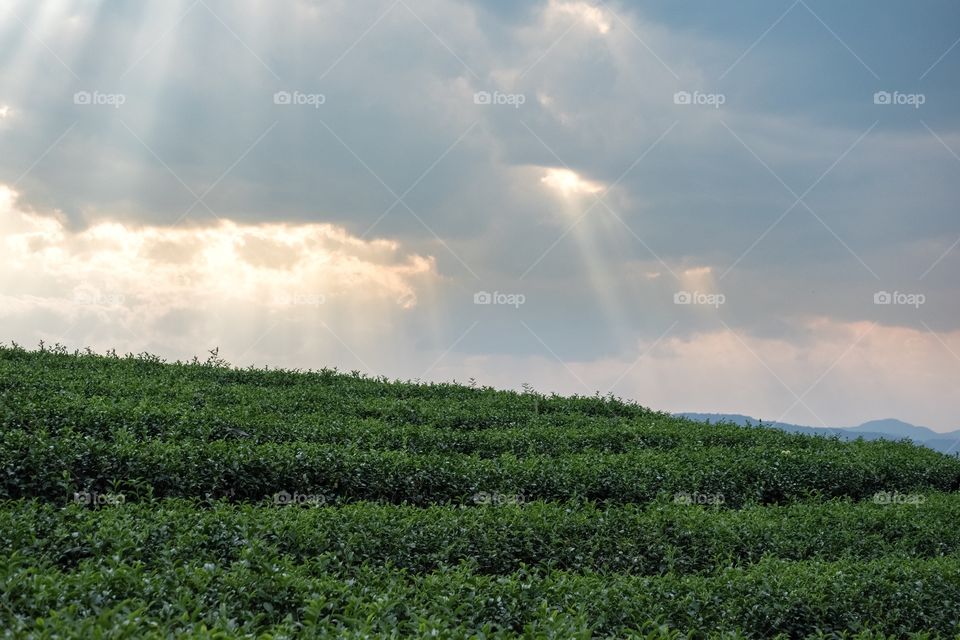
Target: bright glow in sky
x=567, y=183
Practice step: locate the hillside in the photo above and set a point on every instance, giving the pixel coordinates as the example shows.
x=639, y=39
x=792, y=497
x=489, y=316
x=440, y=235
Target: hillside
x=147, y=499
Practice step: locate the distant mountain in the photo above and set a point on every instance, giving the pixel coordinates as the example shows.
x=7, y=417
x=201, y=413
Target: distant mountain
x=888, y=429
x=899, y=429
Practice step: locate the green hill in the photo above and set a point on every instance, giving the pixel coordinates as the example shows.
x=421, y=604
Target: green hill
x=147, y=499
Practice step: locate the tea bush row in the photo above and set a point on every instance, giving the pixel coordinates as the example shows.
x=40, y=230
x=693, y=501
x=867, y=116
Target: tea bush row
x=658, y=539
x=36, y=464
x=897, y=596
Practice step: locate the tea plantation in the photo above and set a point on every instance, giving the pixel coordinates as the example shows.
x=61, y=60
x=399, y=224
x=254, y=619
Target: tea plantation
x=141, y=499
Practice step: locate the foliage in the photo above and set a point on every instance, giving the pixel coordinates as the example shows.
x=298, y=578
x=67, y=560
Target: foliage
x=140, y=498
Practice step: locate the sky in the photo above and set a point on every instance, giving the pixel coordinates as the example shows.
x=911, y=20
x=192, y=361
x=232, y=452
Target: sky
x=742, y=207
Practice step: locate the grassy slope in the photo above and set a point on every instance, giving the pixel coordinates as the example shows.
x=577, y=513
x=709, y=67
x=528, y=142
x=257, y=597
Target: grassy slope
x=591, y=541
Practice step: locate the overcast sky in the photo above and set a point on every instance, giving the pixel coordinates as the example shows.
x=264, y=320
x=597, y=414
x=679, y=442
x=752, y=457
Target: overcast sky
x=742, y=207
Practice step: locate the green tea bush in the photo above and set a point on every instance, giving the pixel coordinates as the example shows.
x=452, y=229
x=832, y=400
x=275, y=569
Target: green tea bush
x=144, y=499
x=38, y=464
x=258, y=592
x=656, y=539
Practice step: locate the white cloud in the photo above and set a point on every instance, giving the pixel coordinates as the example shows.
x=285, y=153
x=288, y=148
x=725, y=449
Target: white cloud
x=568, y=183
x=582, y=11
x=150, y=280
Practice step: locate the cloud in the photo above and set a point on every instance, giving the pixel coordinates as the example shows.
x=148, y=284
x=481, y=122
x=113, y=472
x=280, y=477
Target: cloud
x=158, y=282
x=582, y=11
x=850, y=373
x=567, y=183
